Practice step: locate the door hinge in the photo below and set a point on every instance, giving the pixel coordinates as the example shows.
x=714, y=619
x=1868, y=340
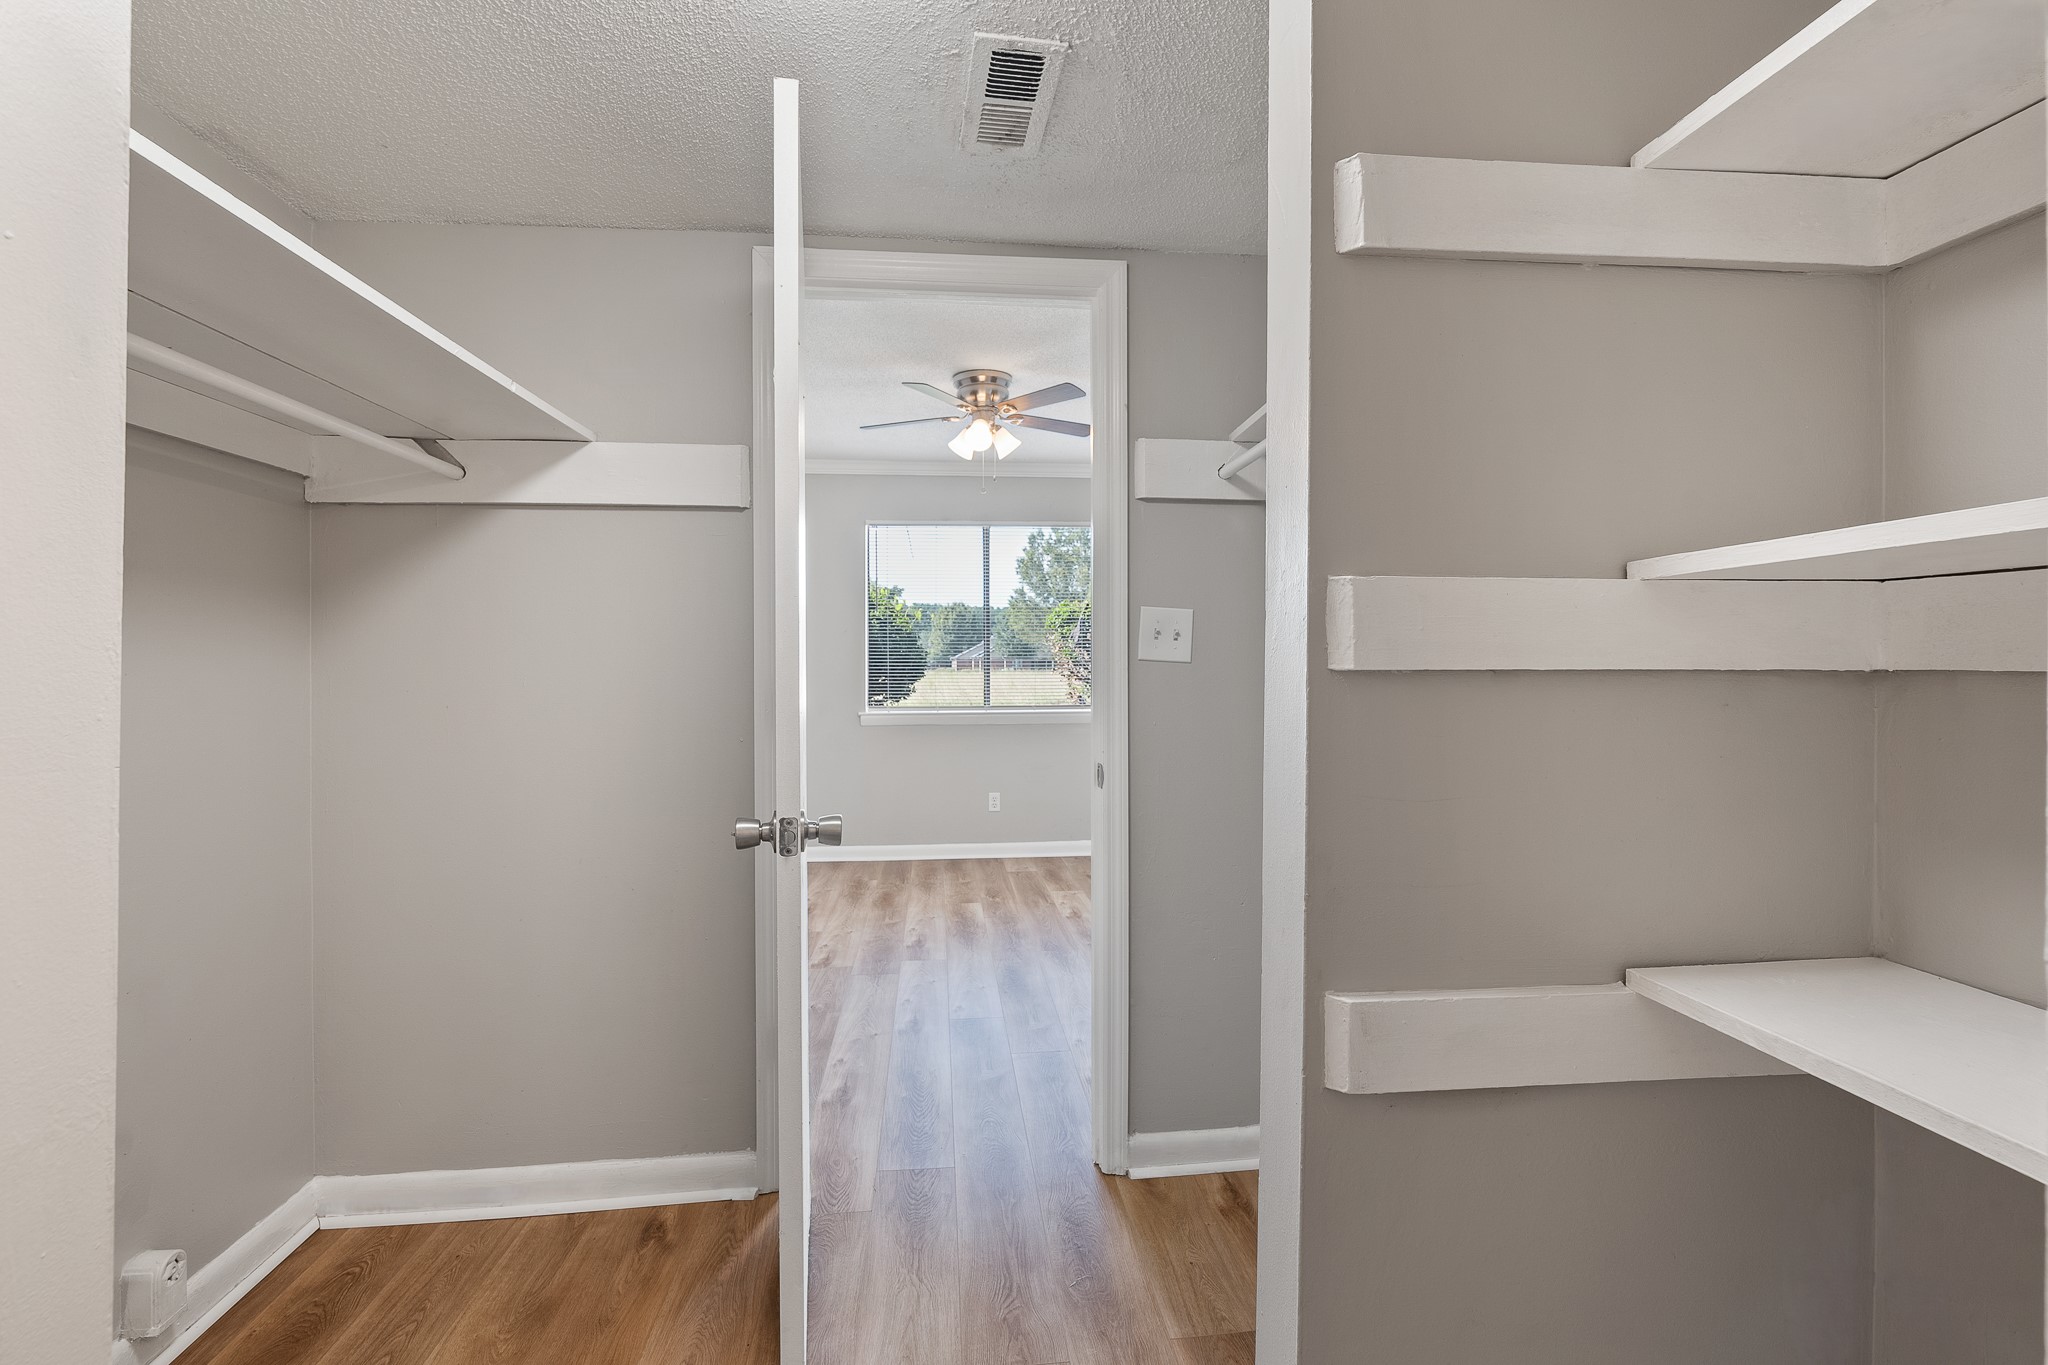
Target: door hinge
x=1100, y=779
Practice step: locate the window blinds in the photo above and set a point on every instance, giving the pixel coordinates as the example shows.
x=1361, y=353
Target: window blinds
x=972, y=617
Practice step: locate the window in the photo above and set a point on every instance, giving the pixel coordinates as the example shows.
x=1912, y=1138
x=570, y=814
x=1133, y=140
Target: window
x=978, y=618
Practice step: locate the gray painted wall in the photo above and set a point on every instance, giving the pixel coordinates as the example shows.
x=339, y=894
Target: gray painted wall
x=927, y=784
x=1960, y=875
x=1966, y=348
x=1959, y=1264
x=214, y=1124
x=1198, y=368
x=531, y=735
x=1506, y=829
x=646, y=335
x=531, y=928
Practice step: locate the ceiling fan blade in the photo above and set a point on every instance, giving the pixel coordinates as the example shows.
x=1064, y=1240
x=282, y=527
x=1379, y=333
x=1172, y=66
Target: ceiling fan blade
x=934, y=390
x=1050, y=424
x=914, y=422
x=1038, y=398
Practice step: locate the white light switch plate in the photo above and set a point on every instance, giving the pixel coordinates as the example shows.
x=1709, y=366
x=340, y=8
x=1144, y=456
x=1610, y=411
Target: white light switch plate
x=1166, y=634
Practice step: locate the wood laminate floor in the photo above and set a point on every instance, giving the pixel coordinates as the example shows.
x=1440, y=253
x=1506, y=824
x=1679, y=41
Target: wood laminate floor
x=688, y=1283
x=957, y=1218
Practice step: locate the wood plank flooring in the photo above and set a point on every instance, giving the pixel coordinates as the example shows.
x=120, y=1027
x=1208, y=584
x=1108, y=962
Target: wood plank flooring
x=688, y=1283
x=957, y=1217
x=956, y=1214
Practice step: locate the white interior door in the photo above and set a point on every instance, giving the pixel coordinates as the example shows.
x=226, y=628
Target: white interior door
x=792, y=956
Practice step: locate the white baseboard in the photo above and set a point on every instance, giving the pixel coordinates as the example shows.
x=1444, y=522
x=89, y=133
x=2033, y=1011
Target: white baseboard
x=1199, y=1151
x=918, y=853
x=357, y=1201
x=220, y=1284
x=351, y=1201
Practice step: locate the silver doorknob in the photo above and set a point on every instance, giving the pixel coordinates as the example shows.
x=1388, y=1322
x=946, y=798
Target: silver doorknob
x=752, y=833
x=826, y=829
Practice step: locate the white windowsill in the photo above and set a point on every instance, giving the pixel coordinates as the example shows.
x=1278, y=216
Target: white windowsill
x=1002, y=715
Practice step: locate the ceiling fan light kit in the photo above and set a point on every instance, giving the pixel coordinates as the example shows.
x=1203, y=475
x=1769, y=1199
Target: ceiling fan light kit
x=984, y=403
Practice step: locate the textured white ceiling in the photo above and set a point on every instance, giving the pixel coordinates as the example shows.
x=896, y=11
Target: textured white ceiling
x=655, y=113
x=858, y=352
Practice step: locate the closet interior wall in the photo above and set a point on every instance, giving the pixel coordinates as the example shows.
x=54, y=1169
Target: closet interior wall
x=214, y=1126
x=475, y=903
x=1959, y=770
x=1507, y=829
x=645, y=334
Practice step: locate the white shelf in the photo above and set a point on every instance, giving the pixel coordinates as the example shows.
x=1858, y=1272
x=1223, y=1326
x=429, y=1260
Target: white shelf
x=213, y=278
x=2006, y=535
x=1619, y=215
x=1393, y=1042
x=1984, y=623
x=1165, y=470
x=1960, y=1062
x=1867, y=89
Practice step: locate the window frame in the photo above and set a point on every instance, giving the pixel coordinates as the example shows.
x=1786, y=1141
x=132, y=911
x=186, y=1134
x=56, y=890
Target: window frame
x=966, y=715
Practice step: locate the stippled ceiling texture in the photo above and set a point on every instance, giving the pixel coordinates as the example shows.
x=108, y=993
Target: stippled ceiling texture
x=655, y=113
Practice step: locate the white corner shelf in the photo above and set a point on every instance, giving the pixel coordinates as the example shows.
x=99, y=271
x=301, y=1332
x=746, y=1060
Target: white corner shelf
x=1989, y=623
x=1736, y=220
x=2006, y=535
x=1867, y=89
x=214, y=278
x=1964, y=1063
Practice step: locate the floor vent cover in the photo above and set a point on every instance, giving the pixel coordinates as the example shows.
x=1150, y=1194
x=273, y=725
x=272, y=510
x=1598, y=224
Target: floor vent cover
x=1009, y=92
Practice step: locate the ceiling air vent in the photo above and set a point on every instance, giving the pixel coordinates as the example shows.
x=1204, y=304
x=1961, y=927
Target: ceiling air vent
x=1009, y=91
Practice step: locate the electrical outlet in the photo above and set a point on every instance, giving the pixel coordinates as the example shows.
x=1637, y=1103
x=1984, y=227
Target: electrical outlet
x=995, y=800
x=1166, y=634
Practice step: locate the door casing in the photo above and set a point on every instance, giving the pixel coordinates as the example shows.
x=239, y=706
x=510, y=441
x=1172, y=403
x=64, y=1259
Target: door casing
x=1103, y=286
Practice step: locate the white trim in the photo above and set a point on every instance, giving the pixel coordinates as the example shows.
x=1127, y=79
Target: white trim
x=1608, y=215
x=1197, y=1151
x=990, y=715
x=1101, y=285
x=918, y=853
x=1969, y=623
x=1393, y=1042
x=499, y=473
x=1283, y=962
x=1997, y=177
x=1172, y=470
x=783, y=518
x=767, y=1138
x=1110, y=682
x=544, y=474
x=222, y=1282
x=355, y=1201
x=1616, y=215
x=946, y=469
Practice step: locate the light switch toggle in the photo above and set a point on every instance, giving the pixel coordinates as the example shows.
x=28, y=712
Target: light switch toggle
x=1166, y=634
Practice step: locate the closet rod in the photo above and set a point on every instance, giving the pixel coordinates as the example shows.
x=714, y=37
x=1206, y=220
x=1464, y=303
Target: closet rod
x=1241, y=461
x=1244, y=428
x=275, y=404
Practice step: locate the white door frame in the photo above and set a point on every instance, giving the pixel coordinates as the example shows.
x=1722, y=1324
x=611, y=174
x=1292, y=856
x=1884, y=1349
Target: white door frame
x=1102, y=285
x=1291, y=244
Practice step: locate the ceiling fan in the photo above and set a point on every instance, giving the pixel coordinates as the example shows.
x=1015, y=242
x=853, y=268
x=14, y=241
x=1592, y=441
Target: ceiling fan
x=984, y=403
